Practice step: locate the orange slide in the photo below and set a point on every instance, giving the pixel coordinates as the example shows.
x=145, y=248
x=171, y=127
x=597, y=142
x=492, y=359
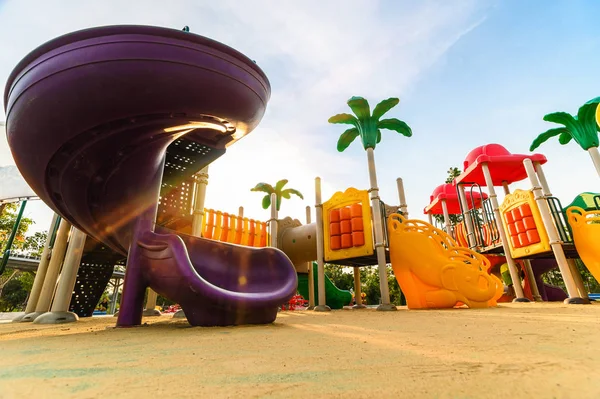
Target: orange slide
x=434, y=272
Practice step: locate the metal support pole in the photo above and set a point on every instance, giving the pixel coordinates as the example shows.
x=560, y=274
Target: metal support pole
x=402, y=197
x=448, y=227
x=115, y=296
x=430, y=218
x=58, y=255
x=322, y=307
x=462, y=197
x=555, y=242
x=379, y=240
x=201, y=181
x=38, y=281
x=512, y=266
x=311, y=275
x=60, y=307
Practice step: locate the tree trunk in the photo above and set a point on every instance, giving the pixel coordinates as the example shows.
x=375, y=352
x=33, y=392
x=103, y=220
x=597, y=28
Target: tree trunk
x=379, y=248
x=593, y=151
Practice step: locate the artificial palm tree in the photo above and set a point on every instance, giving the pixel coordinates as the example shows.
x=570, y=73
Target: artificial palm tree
x=368, y=126
x=278, y=190
x=583, y=128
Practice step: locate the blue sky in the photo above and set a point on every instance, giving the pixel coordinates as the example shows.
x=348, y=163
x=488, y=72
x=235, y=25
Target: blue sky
x=467, y=73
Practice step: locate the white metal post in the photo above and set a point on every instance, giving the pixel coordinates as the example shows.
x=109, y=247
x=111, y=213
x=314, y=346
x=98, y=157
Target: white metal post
x=38, y=281
x=379, y=240
x=402, y=197
x=322, y=307
x=430, y=218
x=575, y=272
x=311, y=275
x=512, y=266
x=462, y=197
x=555, y=242
x=150, y=309
x=60, y=307
x=201, y=181
x=58, y=255
x=446, y=218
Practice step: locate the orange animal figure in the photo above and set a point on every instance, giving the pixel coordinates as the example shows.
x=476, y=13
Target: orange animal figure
x=433, y=272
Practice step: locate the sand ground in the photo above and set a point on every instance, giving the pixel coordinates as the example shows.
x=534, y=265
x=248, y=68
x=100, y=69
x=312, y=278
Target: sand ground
x=514, y=351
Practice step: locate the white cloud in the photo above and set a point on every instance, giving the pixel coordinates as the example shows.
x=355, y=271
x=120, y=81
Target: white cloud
x=317, y=55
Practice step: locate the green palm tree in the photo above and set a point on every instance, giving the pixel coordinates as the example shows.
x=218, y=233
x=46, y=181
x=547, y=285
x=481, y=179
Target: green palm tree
x=278, y=190
x=368, y=126
x=583, y=128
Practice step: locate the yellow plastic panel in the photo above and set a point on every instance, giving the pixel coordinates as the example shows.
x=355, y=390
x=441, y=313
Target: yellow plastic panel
x=586, y=236
x=434, y=272
x=513, y=201
x=339, y=200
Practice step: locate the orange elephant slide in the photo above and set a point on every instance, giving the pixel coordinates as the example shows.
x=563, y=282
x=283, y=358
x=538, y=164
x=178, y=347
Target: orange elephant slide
x=434, y=272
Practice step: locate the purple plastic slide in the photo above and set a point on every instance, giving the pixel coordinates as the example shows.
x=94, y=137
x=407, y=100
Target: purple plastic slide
x=89, y=118
x=548, y=292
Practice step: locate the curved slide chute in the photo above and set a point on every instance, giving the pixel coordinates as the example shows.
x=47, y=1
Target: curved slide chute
x=89, y=118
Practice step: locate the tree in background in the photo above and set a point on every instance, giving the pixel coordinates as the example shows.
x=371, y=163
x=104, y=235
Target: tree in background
x=7, y=220
x=453, y=173
x=583, y=128
x=277, y=190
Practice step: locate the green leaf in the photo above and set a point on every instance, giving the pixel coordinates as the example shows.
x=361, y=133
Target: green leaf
x=293, y=191
x=279, y=185
x=384, y=107
x=565, y=138
x=396, y=125
x=347, y=138
x=547, y=135
x=263, y=187
x=360, y=107
x=378, y=136
x=562, y=118
x=266, y=202
x=346, y=119
x=587, y=112
x=285, y=194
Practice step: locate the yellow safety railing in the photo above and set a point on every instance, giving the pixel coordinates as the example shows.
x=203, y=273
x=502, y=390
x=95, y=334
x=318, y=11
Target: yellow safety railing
x=234, y=229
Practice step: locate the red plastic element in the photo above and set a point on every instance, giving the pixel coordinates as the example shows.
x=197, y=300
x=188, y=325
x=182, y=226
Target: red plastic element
x=358, y=238
x=334, y=215
x=520, y=226
x=503, y=166
x=334, y=229
x=512, y=229
x=509, y=218
x=345, y=213
x=357, y=224
x=356, y=211
x=335, y=242
x=533, y=236
x=525, y=210
x=447, y=192
x=529, y=223
x=523, y=240
x=346, y=240
x=345, y=227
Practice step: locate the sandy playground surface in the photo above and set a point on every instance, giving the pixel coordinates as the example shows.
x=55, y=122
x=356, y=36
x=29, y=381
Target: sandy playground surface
x=514, y=351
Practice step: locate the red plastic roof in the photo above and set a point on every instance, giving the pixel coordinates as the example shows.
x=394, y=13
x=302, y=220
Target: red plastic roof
x=504, y=166
x=448, y=193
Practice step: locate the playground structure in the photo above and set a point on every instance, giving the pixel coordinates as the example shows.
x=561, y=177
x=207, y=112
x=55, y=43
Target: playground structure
x=527, y=228
x=132, y=178
x=103, y=167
